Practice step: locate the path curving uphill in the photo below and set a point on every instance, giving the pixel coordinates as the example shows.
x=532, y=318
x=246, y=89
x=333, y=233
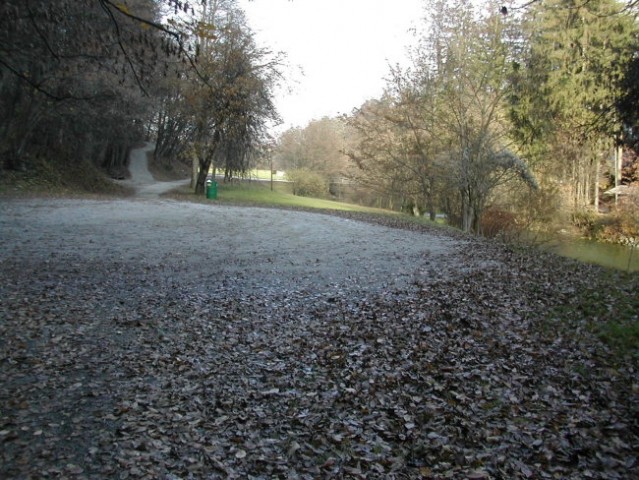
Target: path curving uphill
x=141, y=179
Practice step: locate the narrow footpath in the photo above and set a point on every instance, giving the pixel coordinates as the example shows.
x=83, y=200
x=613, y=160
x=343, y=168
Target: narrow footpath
x=142, y=180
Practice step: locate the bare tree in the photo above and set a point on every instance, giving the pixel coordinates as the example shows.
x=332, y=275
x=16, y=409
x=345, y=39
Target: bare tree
x=440, y=135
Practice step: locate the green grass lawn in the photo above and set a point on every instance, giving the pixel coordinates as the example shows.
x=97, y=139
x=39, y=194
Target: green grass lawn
x=262, y=194
x=256, y=193
x=260, y=174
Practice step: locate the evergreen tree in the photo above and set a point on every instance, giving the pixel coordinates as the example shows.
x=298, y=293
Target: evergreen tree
x=566, y=96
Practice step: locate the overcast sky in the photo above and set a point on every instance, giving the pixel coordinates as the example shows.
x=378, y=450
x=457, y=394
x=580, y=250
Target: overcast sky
x=342, y=47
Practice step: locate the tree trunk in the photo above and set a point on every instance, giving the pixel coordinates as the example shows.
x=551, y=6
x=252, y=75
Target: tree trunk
x=466, y=215
x=201, y=177
x=596, y=185
x=195, y=167
x=618, y=165
x=430, y=205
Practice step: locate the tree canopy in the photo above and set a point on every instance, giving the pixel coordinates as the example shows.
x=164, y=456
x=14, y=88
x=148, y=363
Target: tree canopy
x=85, y=80
x=505, y=109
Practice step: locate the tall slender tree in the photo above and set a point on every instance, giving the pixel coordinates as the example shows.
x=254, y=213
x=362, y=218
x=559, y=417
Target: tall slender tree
x=218, y=113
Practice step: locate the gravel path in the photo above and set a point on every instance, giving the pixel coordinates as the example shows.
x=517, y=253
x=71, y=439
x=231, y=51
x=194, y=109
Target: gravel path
x=141, y=179
x=208, y=246
x=212, y=245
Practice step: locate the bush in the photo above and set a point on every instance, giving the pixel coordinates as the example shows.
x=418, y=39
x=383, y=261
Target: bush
x=620, y=227
x=586, y=221
x=498, y=222
x=307, y=183
x=534, y=210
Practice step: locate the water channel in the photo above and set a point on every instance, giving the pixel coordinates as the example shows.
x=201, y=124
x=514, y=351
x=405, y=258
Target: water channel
x=606, y=254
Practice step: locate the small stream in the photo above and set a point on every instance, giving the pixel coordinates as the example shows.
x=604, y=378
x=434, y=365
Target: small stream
x=606, y=254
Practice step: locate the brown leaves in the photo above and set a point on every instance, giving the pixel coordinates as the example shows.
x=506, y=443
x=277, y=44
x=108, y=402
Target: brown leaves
x=132, y=377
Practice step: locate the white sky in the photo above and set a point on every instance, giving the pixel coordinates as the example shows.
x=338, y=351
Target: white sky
x=343, y=48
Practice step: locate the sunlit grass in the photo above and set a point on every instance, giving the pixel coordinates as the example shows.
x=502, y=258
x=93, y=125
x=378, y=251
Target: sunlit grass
x=260, y=174
x=261, y=194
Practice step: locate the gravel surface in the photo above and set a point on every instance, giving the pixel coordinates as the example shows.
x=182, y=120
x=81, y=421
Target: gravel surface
x=209, y=246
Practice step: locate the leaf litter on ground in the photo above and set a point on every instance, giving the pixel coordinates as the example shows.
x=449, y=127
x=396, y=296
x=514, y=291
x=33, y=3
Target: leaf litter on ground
x=110, y=371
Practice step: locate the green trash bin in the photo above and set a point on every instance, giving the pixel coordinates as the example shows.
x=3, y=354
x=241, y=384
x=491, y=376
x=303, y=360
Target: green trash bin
x=211, y=189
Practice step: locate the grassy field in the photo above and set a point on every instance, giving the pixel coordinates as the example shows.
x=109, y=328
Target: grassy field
x=260, y=194
x=257, y=193
x=257, y=174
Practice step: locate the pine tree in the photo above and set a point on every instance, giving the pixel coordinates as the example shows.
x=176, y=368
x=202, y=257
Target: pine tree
x=567, y=95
